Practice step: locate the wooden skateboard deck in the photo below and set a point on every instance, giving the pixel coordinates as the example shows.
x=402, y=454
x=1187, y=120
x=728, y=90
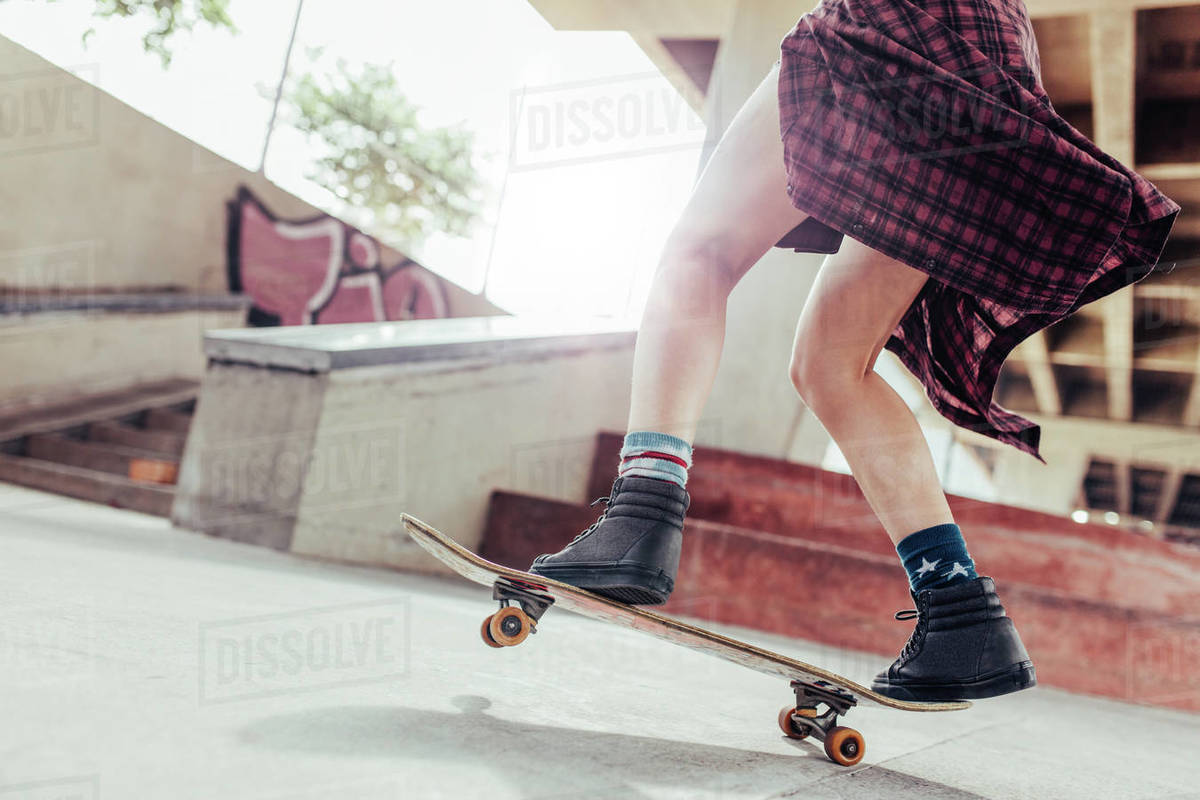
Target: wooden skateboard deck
x=814, y=687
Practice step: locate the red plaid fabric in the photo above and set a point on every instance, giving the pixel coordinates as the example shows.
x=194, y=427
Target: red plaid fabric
x=923, y=130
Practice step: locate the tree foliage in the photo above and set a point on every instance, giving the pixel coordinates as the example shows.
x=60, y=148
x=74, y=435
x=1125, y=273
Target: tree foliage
x=402, y=179
x=168, y=16
x=408, y=180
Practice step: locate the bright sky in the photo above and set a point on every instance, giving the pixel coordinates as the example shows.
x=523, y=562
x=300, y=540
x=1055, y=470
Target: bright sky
x=588, y=154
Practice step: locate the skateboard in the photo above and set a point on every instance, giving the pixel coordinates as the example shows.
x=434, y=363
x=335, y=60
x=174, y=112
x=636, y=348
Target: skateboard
x=821, y=696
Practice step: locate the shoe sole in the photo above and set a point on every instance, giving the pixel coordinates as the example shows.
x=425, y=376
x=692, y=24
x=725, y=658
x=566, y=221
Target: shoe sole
x=626, y=583
x=1011, y=679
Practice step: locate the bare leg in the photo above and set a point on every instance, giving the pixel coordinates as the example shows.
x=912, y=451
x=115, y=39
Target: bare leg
x=857, y=300
x=737, y=212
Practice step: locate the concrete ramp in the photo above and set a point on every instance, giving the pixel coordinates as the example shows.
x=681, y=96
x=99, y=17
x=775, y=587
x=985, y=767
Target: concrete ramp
x=140, y=661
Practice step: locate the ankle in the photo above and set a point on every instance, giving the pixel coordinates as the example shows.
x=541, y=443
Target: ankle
x=936, y=557
x=649, y=454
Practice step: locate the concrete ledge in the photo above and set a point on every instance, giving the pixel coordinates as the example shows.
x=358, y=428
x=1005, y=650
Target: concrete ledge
x=143, y=302
x=325, y=348
x=320, y=436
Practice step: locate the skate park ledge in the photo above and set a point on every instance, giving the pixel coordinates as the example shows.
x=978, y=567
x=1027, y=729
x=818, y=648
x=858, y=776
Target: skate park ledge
x=314, y=439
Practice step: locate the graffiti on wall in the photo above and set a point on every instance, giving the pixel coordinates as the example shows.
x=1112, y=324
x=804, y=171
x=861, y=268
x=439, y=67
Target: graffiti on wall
x=321, y=270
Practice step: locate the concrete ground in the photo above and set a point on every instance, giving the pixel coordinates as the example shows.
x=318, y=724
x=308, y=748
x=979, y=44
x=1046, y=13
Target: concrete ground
x=137, y=661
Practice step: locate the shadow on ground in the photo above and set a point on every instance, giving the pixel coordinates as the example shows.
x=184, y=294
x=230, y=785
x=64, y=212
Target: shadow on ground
x=542, y=761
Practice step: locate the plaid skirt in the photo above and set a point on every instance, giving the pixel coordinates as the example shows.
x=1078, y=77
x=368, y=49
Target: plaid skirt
x=922, y=130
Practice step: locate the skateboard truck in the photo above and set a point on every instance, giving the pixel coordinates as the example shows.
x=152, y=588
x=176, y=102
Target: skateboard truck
x=843, y=745
x=512, y=624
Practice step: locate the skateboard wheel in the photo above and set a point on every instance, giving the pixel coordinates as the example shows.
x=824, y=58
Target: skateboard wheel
x=844, y=746
x=509, y=626
x=487, y=634
x=791, y=729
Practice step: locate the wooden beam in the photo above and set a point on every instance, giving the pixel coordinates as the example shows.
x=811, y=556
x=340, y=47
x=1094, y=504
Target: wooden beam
x=1124, y=481
x=1041, y=374
x=1188, y=171
x=653, y=47
x=1118, y=353
x=1114, y=61
x=1141, y=443
x=1191, y=411
x=1167, y=497
x=1057, y=8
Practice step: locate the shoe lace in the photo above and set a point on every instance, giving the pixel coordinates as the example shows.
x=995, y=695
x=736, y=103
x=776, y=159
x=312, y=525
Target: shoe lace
x=606, y=500
x=910, y=647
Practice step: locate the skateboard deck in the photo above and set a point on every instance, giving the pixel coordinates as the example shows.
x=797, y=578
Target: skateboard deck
x=532, y=595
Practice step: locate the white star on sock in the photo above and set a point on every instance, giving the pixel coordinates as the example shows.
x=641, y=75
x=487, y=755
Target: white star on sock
x=957, y=569
x=926, y=566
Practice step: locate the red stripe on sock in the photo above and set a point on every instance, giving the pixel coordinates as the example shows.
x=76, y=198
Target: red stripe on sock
x=655, y=454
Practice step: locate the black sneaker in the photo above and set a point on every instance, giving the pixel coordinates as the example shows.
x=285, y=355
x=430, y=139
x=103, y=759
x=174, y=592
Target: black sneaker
x=964, y=648
x=631, y=553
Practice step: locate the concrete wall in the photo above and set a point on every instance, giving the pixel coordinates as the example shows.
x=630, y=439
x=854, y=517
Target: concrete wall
x=97, y=194
x=54, y=356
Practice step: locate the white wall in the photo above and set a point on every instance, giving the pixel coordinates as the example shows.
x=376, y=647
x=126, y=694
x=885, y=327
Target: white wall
x=52, y=357
x=98, y=196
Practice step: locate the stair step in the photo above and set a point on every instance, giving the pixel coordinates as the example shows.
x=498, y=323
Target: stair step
x=845, y=597
x=120, y=433
x=115, y=459
x=85, y=484
x=1011, y=544
x=44, y=418
x=167, y=419
x=718, y=461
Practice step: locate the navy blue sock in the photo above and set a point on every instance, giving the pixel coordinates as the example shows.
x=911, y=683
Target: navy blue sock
x=935, y=557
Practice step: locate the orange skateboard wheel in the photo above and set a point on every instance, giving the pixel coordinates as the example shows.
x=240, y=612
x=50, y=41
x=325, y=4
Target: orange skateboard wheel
x=487, y=634
x=510, y=626
x=844, y=746
x=791, y=729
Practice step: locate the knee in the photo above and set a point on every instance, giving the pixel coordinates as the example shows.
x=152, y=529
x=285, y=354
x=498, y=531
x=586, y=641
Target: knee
x=821, y=377
x=703, y=262
x=803, y=374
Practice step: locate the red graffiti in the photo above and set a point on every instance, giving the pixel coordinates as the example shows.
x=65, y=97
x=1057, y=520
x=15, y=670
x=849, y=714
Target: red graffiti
x=321, y=270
